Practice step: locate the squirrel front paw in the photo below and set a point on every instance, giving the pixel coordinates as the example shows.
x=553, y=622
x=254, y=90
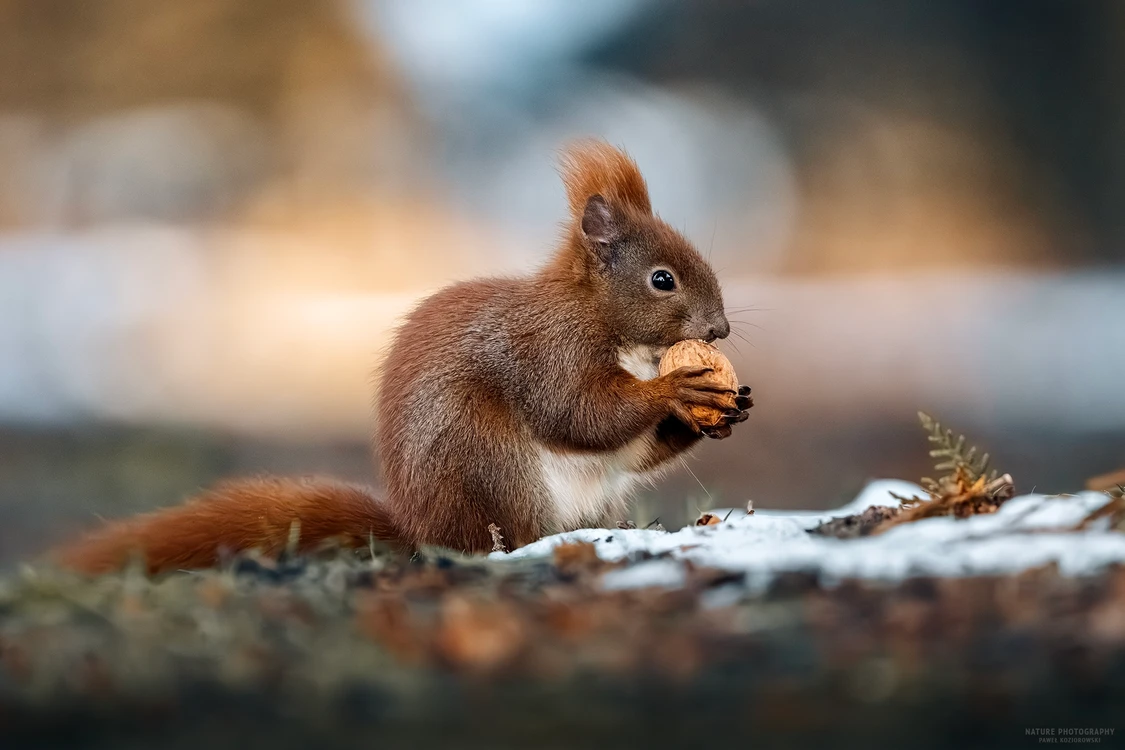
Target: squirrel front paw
x=699, y=402
x=743, y=402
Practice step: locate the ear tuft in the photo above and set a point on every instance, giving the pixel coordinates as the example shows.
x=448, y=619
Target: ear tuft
x=595, y=168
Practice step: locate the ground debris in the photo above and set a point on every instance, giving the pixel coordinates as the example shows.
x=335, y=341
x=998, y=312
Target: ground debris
x=858, y=525
x=1113, y=482
x=467, y=637
x=1114, y=510
x=968, y=488
x=573, y=558
x=497, y=539
x=479, y=635
x=708, y=519
x=955, y=496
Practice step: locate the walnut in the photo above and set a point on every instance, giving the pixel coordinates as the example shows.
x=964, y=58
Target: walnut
x=696, y=353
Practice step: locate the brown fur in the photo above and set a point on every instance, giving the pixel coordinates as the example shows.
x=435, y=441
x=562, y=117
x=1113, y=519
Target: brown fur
x=592, y=167
x=234, y=516
x=485, y=381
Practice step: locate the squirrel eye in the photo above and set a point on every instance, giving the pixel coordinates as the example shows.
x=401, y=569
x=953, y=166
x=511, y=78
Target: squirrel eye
x=663, y=281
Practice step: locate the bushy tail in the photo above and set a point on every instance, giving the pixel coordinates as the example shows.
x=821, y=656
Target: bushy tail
x=232, y=517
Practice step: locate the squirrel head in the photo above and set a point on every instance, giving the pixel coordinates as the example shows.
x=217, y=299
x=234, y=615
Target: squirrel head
x=653, y=285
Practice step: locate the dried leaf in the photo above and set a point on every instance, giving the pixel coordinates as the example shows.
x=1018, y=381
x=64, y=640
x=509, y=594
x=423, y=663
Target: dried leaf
x=497, y=539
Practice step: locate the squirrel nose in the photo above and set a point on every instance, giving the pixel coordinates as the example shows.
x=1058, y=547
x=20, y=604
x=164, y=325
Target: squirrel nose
x=719, y=330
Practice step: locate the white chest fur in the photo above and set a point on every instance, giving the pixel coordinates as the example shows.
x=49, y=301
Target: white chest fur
x=586, y=489
x=641, y=360
x=590, y=488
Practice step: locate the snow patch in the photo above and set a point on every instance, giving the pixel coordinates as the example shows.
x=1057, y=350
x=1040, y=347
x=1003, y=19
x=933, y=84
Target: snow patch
x=1027, y=532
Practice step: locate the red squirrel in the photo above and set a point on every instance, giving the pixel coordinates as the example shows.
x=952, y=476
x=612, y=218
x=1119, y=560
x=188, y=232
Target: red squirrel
x=530, y=403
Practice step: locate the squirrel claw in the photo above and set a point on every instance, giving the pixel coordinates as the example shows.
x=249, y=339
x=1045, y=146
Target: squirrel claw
x=744, y=400
x=717, y=432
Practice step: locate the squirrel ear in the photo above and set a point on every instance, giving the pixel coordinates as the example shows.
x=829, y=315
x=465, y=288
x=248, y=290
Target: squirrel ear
x=600, y=225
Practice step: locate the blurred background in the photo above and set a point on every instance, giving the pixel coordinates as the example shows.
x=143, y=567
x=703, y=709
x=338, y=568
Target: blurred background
x=213, y=212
